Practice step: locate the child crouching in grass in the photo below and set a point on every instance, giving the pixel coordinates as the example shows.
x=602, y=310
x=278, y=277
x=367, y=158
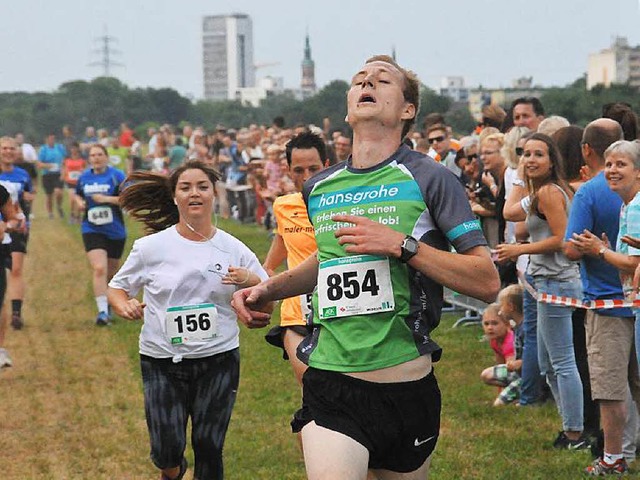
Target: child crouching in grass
x=506, y=344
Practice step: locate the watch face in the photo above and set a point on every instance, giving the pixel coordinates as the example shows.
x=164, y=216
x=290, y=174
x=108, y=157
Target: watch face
x=411, y=245
x=409, y=248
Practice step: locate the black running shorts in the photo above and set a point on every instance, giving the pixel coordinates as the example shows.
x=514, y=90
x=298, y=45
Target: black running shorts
x=97, y=241
x=398, y=423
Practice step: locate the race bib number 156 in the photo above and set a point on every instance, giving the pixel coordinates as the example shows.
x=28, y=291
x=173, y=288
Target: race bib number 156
x=358, y=285
x=191, y=323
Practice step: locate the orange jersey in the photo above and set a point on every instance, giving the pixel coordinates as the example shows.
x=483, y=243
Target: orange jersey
x=73, y=167
x=299, y=239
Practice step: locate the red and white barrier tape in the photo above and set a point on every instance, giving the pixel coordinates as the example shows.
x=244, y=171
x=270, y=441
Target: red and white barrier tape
x=574, y=302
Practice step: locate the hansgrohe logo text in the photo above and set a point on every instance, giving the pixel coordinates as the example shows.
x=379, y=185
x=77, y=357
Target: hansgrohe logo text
x=380, y=192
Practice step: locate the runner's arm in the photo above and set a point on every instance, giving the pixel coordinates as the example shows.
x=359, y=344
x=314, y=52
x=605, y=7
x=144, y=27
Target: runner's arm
x=125, y=307
x=276, y=255
x=471, y=272
x=250, y=304
x=9, y=212
x=101, y=198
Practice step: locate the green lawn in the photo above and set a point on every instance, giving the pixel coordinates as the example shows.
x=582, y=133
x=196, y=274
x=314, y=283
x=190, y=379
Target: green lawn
x=477, y=441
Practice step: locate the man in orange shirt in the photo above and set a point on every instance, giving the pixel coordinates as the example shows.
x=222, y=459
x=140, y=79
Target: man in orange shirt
x=294, y=242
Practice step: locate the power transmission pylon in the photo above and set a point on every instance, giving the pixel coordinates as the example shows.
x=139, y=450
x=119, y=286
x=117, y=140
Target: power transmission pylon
x=107, y=51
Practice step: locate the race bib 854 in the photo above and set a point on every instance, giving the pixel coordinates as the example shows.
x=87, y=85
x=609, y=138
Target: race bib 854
x=356, y=285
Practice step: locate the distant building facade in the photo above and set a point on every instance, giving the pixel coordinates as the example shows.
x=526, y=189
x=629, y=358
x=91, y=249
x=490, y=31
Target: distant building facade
x=619, y=63
x=308, y=83
x=267, y=87
x=454, y=88
x=227, y=55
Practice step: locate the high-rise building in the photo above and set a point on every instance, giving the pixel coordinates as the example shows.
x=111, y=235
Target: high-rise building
x=308, y=83
x=618, y=64
x=227, y=55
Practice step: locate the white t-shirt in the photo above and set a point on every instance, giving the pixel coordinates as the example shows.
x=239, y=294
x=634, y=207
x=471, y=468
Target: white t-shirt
x=510, y=175
x=29, y=153
x=176, y=272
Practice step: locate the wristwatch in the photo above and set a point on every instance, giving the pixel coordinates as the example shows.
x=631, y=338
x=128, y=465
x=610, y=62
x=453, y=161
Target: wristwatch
x=408, y=248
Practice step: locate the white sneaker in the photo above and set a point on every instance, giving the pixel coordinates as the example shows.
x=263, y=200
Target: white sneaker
x=5, y=359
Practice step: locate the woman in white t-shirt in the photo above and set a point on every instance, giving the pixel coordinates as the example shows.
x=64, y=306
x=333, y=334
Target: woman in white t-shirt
x=189, y=338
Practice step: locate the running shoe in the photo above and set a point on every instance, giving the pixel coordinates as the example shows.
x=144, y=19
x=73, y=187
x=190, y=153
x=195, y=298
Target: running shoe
x=562, y=442
x=16, y=321
x=600, y=468
x=102, y=319
x=5, y=359
x=60, y=212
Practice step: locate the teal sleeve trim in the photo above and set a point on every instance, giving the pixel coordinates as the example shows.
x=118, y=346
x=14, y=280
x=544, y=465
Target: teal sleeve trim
x=463, y=228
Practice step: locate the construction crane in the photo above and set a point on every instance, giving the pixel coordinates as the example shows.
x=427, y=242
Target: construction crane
x=258, y=66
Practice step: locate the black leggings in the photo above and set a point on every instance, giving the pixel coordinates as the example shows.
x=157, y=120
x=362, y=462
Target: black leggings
x=5, y=262
x=203, y=389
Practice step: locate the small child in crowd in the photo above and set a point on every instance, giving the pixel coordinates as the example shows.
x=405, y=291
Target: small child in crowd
x=506, y=343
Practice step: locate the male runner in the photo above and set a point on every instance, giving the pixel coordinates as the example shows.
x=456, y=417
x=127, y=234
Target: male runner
x=295, y=241
x=384, y=222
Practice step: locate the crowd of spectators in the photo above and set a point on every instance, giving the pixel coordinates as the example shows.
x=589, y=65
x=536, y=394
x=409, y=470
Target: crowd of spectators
x=251, y=160
x=528, y=177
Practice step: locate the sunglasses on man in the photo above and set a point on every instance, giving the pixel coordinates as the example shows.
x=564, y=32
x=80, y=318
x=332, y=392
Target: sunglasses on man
x=436, y=139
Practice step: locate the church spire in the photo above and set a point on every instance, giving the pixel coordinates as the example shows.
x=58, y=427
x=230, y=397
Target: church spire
x=307, y=48
x=308, y=84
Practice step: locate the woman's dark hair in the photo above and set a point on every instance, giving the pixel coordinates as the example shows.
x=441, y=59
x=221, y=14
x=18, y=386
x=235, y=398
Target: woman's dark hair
x=623, y=114
x=459, y=156
x=569, y=142
x=148, y=196
x=556, y=175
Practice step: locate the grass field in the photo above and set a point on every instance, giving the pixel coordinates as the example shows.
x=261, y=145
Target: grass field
x=71, y=407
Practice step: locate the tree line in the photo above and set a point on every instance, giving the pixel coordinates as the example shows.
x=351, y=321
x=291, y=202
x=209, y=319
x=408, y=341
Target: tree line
x=105, y=102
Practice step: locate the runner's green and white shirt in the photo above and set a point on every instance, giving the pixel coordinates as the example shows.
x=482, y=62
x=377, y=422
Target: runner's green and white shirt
x=375, y=312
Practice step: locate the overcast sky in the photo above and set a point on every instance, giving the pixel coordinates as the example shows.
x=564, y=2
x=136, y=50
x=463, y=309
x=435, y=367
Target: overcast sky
x=44, y=43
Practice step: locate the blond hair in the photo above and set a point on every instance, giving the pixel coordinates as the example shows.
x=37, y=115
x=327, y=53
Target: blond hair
x=512, y=294
x=494, y=308
x=494, y=137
